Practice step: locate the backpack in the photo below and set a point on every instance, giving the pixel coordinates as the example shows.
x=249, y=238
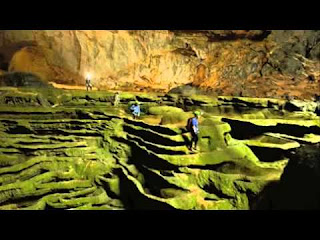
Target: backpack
x=189, y=124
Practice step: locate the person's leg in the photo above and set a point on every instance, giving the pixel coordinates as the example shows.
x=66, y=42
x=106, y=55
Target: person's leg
x=192, y=140
x=196, y=138
x=191, y=143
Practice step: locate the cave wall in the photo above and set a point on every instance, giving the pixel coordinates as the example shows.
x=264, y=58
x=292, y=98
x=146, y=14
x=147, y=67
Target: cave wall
x=252, y=63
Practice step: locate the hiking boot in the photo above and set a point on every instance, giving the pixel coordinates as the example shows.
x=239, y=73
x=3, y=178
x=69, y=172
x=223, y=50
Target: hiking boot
x=191, y=151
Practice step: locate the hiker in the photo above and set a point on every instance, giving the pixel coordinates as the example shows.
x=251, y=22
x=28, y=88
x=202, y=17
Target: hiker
x=317, y=97
x=193, y=128
x=88, y=83
x=135, y=109
x=116, y=99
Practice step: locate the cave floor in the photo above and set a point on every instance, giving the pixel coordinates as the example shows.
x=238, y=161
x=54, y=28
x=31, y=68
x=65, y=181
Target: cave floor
x=72, y=149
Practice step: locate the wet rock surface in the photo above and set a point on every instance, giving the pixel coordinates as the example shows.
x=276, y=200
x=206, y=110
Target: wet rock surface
x=71, y=149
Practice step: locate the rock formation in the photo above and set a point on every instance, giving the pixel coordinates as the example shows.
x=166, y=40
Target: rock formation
x=252, y=63
x=71, y=149
x=297, y=188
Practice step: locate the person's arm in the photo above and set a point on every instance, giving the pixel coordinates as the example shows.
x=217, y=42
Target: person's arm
x=195, y=129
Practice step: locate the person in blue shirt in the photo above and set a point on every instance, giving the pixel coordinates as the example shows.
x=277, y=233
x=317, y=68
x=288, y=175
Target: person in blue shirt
x=193, y=127
x=135, y=109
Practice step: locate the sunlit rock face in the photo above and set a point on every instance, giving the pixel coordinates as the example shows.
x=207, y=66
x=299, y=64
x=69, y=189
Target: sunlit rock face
x=252, y=63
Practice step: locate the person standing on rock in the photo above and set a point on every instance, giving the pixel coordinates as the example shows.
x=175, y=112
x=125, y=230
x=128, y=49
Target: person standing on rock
x=116, y=99
x=193, y=128
x=135, y=109
x=317, y=97
x=88, y=83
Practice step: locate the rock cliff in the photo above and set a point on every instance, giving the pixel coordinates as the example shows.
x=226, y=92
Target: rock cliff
x=253, y=63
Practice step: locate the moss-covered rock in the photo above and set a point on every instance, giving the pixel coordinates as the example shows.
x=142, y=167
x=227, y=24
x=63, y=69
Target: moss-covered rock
x=163, y=110
x=74, y=150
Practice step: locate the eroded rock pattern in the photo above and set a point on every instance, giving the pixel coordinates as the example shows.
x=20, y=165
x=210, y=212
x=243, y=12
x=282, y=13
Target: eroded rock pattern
x=252, y=63
x=64, y=149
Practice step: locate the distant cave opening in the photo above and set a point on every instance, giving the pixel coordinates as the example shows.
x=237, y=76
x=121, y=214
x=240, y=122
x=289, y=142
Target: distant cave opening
x=7, y=52
x=4, y=66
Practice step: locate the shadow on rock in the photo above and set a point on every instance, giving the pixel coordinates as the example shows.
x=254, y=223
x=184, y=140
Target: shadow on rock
x=299, y=186
x=22, y=79
x=134, y=200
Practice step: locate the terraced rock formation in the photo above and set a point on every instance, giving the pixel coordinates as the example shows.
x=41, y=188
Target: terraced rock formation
x=64, y=149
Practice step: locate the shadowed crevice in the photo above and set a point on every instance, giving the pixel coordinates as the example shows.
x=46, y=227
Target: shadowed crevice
x=246, y=130
x=158, y=129
x=151, y=137
x=133, y=199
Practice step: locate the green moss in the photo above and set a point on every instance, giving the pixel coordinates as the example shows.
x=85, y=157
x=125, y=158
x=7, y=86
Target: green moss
x=99, y=197
x=171, y=192
x=204, y=99
x=272, y=142
x=114, y=185
x=307, y=138
x=175, y=118
x=53, y=199
x=153, y=136
x=230, y=153
x=68, y=160
x=162, y=110
x=100, y=207
x=274, y=122
x=213, y=135
x=170, y=115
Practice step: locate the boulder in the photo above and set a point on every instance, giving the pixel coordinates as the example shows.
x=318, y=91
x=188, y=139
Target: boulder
x=170, y=115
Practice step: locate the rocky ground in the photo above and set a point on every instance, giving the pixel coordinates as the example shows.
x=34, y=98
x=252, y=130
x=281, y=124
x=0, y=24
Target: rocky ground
x=70, y=149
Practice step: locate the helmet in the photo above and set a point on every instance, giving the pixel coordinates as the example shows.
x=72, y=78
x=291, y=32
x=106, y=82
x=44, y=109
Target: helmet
x=197, y=113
